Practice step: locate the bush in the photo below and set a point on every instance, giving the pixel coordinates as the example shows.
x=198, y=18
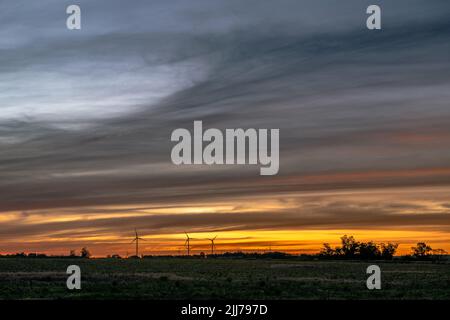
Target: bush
x=85, y=253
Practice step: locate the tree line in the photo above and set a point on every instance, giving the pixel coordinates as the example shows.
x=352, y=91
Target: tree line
x=84, y=253
x=352, y=249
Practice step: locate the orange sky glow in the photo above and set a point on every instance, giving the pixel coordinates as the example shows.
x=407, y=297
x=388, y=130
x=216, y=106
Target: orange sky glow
x=294, y=222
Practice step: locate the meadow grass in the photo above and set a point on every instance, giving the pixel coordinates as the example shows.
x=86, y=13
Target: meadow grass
x=178, y=278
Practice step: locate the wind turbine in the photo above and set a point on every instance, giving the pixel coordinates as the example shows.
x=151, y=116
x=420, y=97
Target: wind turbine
x=213, y=246
x=187, y=244
x=137, y=238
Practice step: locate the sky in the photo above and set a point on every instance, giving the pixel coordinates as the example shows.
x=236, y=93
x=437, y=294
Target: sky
x=86, y=117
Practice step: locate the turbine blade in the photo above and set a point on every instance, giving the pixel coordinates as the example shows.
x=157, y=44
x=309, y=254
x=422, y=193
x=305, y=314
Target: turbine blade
x=133, y=241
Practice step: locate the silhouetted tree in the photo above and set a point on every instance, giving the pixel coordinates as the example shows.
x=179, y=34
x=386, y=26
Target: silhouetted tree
x=85, y=253
x=421, y=250
x=438, y=254
x=72, y=253
x=388, y=250
x=327, y=250
x=349, y=246
x=368, y=250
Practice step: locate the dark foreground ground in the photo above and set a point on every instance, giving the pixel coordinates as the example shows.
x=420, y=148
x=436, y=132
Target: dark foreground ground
x=177, y=278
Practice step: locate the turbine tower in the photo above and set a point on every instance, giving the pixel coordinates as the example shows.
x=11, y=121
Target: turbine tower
x=213, y=246
x=187, y=244
x=136, y=238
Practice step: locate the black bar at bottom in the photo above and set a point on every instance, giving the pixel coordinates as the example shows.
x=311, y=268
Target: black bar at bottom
x=224, y=309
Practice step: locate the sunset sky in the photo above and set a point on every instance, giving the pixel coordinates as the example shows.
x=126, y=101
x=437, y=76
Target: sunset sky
x=86, y=117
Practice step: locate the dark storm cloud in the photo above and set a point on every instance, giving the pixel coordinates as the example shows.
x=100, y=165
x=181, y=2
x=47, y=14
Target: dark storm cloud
x=85, y=117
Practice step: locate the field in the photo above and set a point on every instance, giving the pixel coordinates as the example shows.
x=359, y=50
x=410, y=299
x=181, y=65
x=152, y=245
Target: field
x=178, y=278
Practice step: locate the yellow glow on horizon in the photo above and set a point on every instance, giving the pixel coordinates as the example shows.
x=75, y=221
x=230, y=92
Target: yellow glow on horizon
x=105, y=239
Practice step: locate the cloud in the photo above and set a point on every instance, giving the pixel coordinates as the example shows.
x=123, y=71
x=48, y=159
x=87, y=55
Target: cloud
x=394, y=209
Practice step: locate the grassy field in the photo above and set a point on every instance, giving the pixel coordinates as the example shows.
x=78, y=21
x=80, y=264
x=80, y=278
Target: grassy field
x=176, y=278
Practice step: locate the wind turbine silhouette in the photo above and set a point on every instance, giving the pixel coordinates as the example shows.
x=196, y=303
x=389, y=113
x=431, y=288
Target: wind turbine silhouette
x=137, y=238
x=213, y=246
x=187, y=244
